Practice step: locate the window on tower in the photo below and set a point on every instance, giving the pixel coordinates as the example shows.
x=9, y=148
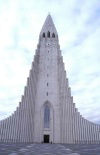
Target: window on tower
x=46, y=116
x=53, y=35
x=48, y=34
x=43, y=35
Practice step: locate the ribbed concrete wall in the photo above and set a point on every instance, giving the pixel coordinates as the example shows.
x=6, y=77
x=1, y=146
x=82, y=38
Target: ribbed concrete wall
x=74, y=128
x=19, y=127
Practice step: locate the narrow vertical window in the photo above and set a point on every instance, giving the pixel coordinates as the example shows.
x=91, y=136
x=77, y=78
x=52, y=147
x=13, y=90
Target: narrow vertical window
x=43, y=35
x=46, y=116
x=53, y=35
x=48, y=34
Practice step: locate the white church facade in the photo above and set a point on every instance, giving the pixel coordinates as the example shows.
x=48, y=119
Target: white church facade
x=47, y=112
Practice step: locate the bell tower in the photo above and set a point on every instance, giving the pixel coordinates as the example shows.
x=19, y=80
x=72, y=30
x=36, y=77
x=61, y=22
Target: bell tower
x=47, y=97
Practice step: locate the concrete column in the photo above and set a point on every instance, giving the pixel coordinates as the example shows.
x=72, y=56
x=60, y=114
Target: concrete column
x=4, y=130
x=17, y=125
x=32, y=107
x=79, y=119
x=27, y=115
x=90, y=132
x=23, y=118
x=61, y=100
x=1, y=126
x=81, y=131
x=11, y=128
x=14, y=127
x=65, y=119
x=30, y=110
x=98, y=134
x=21, y=122
x=87, y=124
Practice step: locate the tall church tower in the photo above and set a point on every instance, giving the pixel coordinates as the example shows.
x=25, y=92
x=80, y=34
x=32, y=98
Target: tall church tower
x=47, y=112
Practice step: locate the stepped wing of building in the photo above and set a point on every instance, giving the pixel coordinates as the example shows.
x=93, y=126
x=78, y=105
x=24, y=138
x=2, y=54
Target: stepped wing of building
x=47, y=112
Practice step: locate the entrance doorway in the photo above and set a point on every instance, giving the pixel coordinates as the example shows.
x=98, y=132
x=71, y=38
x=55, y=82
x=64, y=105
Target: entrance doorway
x=46, y=138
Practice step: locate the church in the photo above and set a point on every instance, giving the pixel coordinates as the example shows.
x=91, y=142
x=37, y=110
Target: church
x=47, y=112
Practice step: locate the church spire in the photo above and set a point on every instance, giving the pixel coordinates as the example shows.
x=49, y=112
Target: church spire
x=48, y=28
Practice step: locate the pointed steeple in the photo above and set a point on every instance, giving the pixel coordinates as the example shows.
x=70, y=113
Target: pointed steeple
x=48, y=26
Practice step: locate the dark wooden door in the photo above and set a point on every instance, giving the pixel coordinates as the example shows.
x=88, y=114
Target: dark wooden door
x=46, y=138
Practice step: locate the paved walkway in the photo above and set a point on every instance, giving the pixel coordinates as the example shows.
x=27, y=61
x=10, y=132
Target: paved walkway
x=49, y=149
x=36, y=149
x=46, y=149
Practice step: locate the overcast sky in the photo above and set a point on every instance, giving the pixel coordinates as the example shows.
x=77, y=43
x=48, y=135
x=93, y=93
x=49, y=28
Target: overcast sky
x=78, y=26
